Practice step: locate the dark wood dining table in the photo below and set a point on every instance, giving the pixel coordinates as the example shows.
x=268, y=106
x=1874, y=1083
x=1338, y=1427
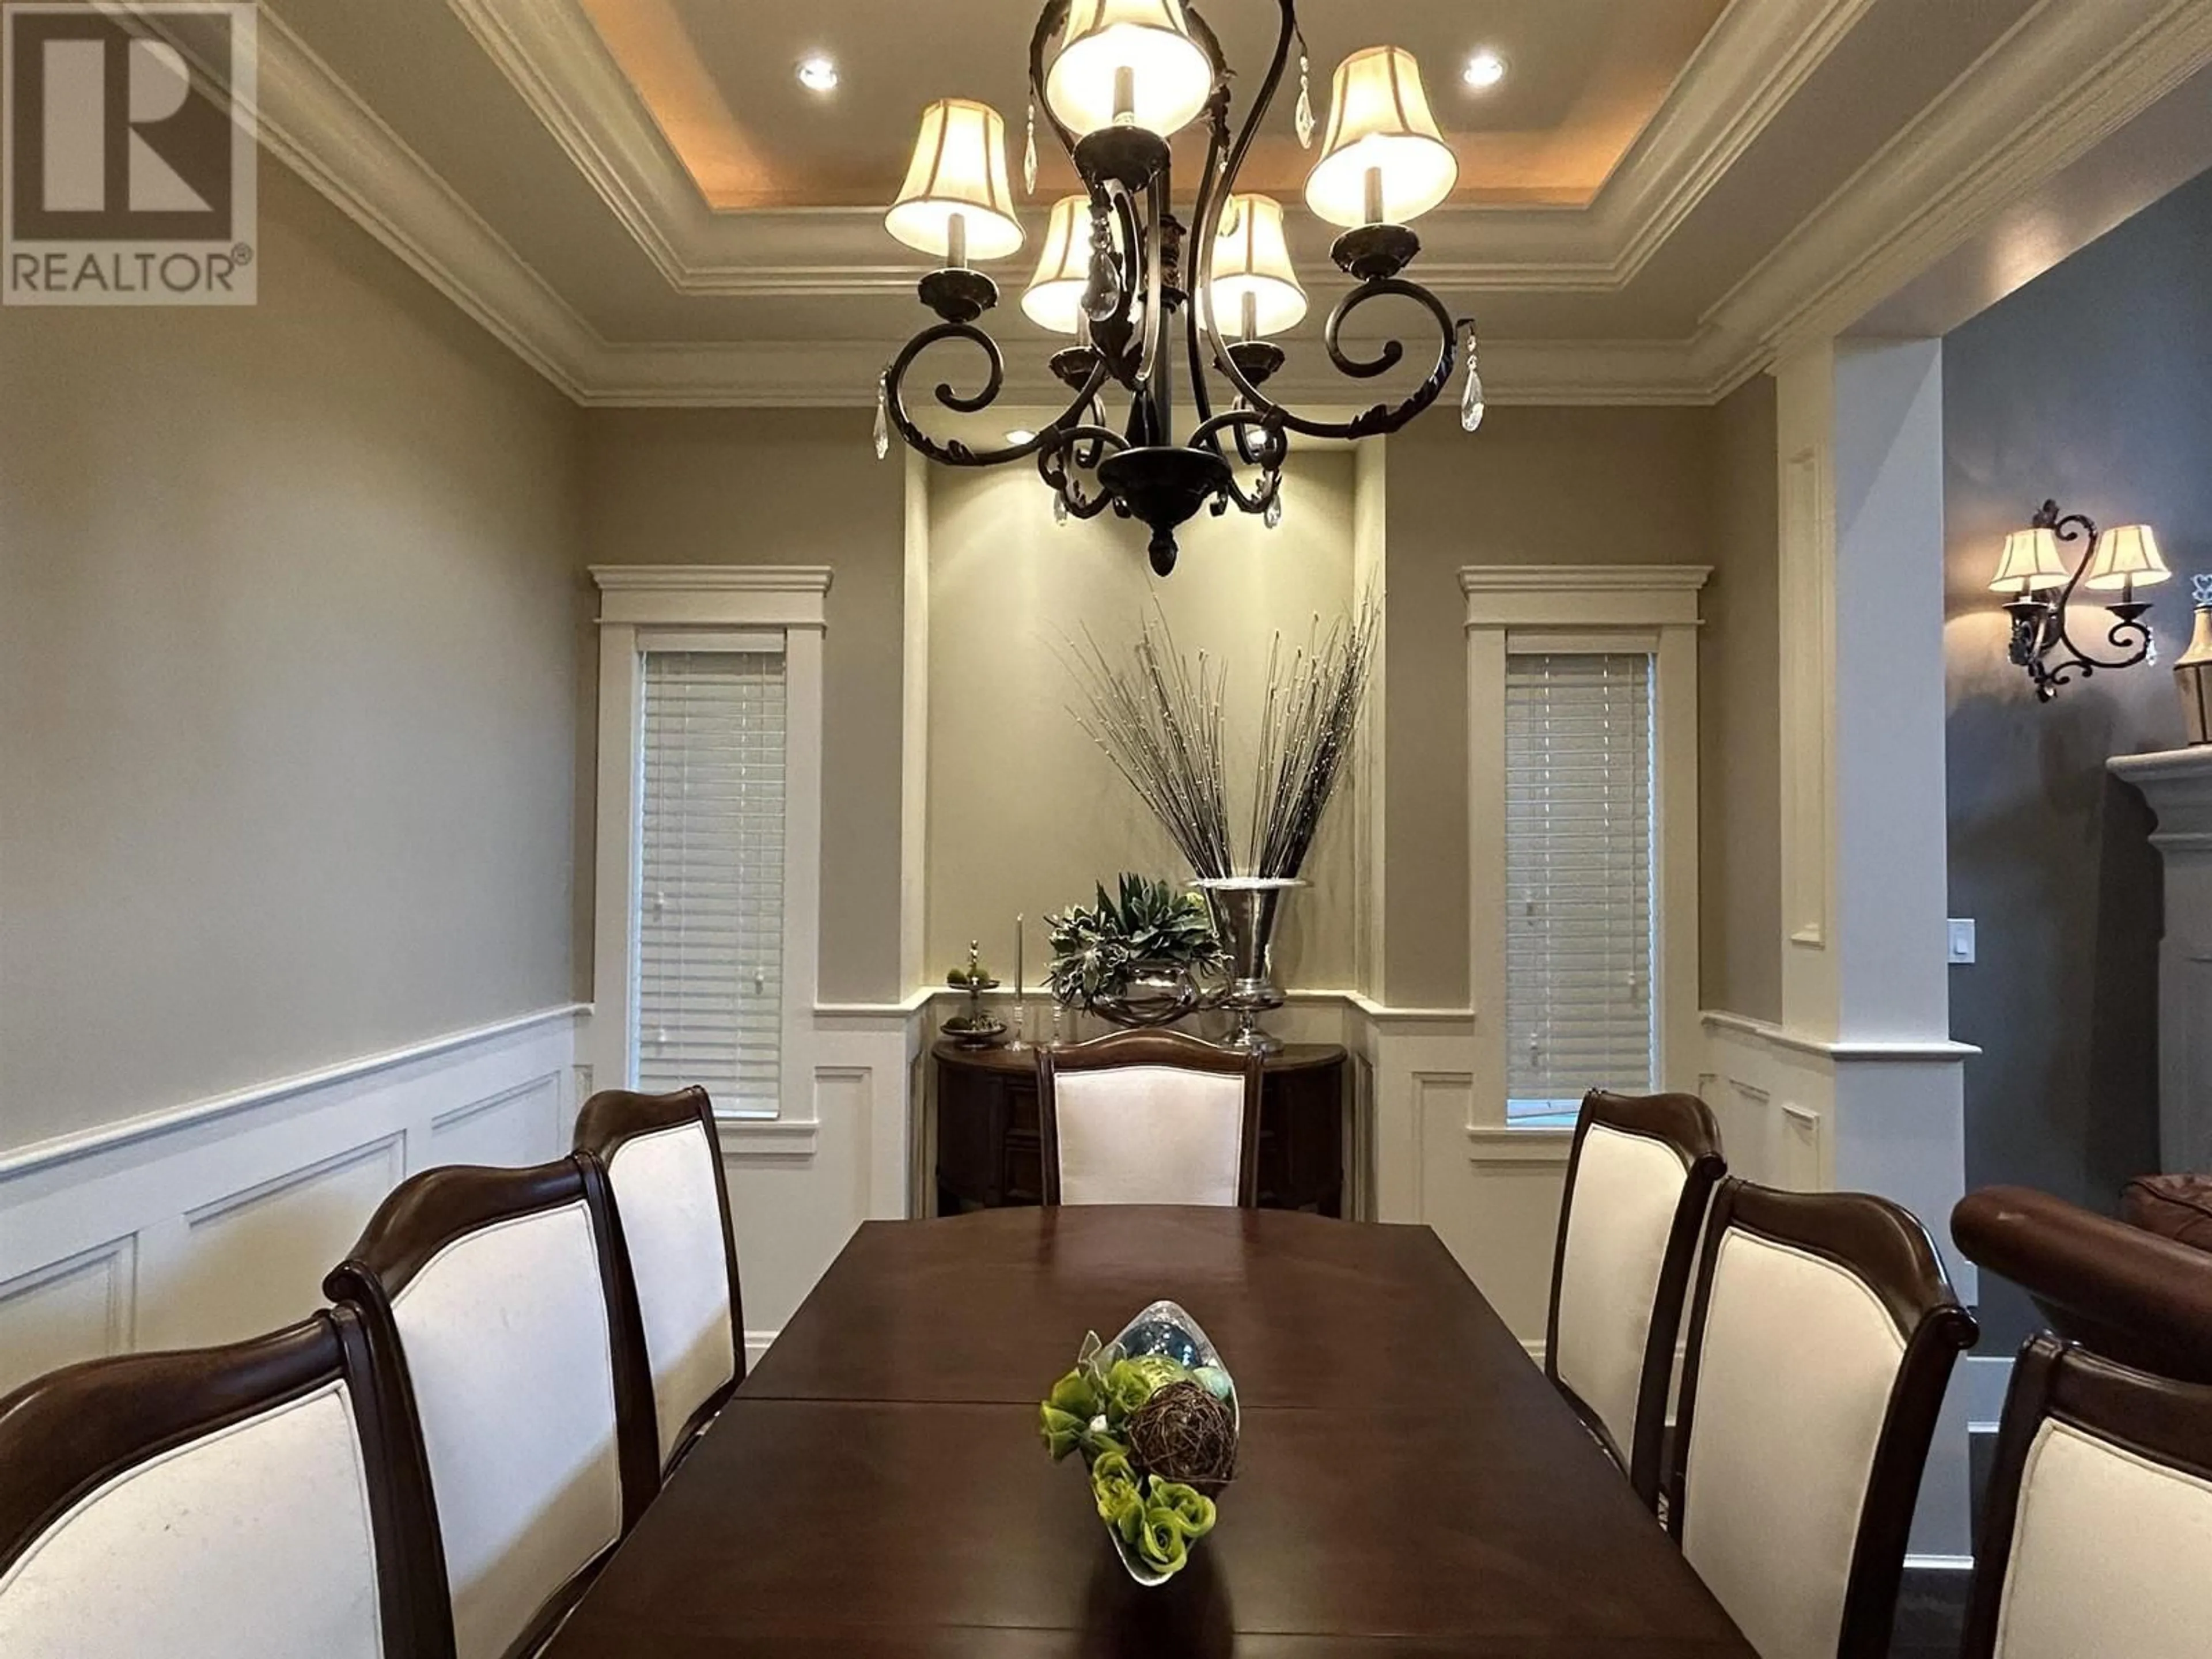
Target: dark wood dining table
x=1408, y=1482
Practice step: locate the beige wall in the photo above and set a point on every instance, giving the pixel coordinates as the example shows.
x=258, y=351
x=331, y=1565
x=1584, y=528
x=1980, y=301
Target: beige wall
x=1024, y=813
x=288, y=670
x=1535, y=486
x=1740, y=708
x=786, y=487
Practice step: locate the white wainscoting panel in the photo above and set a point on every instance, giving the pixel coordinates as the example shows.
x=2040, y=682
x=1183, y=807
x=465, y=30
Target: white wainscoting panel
x=217, y=1219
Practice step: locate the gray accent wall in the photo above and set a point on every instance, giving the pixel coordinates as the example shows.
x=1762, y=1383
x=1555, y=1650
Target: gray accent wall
x=2092, y=384
x=289, y=629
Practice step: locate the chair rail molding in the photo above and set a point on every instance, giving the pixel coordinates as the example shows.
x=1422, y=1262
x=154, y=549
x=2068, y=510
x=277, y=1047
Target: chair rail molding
x=215, y=1219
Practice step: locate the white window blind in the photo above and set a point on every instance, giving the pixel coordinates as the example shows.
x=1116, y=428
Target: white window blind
x=1579, y=837
x=709, y=904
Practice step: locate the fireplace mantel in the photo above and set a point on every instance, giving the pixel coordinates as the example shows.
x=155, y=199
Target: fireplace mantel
x=2177, y=784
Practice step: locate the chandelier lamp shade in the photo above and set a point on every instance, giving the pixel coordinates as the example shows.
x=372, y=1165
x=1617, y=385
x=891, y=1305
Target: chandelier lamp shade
x=2034, y=570
x=1167, y=304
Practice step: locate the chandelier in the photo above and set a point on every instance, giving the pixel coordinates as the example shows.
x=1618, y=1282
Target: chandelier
x=1134, y=286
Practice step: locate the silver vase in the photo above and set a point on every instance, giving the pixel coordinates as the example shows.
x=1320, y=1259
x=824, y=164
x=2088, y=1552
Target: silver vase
x=1244, y=912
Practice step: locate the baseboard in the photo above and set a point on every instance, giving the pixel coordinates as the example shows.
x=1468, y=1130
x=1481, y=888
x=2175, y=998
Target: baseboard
x=757, y=1344
x=1938, y=1564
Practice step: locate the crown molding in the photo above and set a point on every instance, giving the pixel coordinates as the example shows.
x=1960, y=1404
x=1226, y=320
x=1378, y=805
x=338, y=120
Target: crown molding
x=1755, y=58
x=2062, y=79
x=843, y=374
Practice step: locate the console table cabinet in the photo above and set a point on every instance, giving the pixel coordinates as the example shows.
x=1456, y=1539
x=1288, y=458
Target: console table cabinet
x=989, y=1155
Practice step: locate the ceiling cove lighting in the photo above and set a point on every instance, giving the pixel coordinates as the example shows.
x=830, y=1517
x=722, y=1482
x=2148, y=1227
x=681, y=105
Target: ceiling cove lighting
x=2034, y=570
x=818, y=74
x=1137, y=279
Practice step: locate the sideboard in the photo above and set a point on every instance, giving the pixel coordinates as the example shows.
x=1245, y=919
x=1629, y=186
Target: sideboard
x=989, y=1155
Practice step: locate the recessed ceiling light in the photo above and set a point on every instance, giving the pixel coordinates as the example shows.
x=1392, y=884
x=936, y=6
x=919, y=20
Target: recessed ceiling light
x=1019, y=435
x=818, y=74
x=1484, y=70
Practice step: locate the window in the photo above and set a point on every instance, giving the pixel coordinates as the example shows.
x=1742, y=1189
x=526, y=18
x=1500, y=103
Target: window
x=708, y=910
x=1583, y=844
x=709, y=900
x=1579, y=941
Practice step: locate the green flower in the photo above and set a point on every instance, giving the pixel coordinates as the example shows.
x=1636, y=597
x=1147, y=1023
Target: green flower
x=1128, y=1385
x=1160, y=1542
x=1076, y=1394
x=1190, y=1510
x=1062, y=1431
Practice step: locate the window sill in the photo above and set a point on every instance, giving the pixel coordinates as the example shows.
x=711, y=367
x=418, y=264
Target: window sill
x=1496, y=1146
x=765, y=1137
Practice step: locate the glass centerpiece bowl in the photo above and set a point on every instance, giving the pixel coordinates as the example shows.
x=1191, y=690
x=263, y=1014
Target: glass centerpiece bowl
x=1154, y=1413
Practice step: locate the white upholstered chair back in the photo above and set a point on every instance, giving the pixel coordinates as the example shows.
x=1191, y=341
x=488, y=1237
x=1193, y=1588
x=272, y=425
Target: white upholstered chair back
x=2099, y=1534
x=665, y=1166
x=1822, y=1339
x=1148, y=1118
x=200, y=1505
x=1638, y=1179
x=523, y=1365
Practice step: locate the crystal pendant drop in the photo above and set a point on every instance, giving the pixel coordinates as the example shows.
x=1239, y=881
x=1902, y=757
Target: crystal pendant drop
x=1471, y=408
x=883, y=420
x=1273, y=515
x=1059, y=511
x=1305, y=116
x=1029, y=156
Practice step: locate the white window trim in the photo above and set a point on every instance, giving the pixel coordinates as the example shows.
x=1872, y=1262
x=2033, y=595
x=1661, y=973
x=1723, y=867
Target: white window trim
x=694, y=608
x=1513, y=608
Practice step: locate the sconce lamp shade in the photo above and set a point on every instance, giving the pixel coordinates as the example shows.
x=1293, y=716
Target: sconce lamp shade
x=1379, y=123
x=1252, y=261
x=959, y=169
x=1054, y=299
x=2126, y=554
x=1170, y=75
x=2030, y=562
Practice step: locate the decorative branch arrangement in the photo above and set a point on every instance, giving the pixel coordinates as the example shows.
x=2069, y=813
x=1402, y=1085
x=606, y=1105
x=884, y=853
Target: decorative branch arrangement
x=1158, y=717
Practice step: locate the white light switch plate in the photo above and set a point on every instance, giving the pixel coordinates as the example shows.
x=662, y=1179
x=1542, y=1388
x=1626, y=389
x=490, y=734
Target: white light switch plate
x=1962, y=939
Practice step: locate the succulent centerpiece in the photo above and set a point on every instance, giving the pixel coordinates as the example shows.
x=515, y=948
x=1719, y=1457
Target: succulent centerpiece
x=1138, y=956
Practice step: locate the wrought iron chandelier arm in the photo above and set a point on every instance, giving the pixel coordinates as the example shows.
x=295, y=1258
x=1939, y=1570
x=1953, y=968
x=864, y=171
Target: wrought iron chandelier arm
x=1267, y=453
x=1050, y=20
x=1076, y=443
x=954, y=453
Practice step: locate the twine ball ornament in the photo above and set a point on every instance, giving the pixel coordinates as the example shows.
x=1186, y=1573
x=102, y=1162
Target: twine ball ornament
x=1183, y=1433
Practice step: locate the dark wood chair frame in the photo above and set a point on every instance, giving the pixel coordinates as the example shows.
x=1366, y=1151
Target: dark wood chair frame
x=69, y=1433
x=1684, y=1124
x=1170, y=1048
x=1884, y=1246
x=614, y=1116
x=2119, y=1290
x=2161, y=1419
x=420, y=1218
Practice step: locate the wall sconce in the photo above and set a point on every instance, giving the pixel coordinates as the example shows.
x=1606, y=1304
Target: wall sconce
x=2034, y=570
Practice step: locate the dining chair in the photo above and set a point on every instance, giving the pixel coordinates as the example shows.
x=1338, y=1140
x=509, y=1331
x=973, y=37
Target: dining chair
x=1149, y=1117
x=1822, y=1337
x=664, y=1163
x=1640, y=1174
x=2097, y=1535
x=2119, y=1290
x=500, y=1302
x=213, y=1502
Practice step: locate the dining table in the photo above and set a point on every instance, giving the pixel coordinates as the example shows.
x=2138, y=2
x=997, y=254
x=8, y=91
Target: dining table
x=1408, y=1482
